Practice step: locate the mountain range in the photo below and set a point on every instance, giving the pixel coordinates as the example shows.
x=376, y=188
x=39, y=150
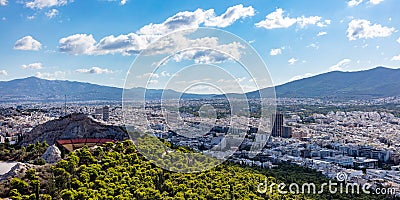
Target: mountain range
x=377, y=82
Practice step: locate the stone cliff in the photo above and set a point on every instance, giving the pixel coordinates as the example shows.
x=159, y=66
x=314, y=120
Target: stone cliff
x=73, y=126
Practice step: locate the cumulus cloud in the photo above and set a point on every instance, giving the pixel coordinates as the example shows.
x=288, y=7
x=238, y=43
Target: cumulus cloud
x=353, y=3
x=363, y=29
x=292, y=61
x=123, y=44
x=275, y=52
x=396, y=58
x=187, y=19
x=40, y=4
x=322, y=33
x=215, y=53
x=134, y=43
x=77, y=44
x=94, y=70
x=3, y=72
x=277, y=19
x=52, y=13
x=123, y=2
x=231, y=15
x=340, y=65
x=27, y=43
x=37, y=65
x=3, y=2
x=398, y=40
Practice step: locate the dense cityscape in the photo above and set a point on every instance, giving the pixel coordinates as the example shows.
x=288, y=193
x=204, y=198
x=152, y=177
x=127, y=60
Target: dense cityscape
x=362, y=144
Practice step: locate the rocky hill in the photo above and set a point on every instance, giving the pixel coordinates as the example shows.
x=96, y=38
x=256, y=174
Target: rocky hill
x=73, y=126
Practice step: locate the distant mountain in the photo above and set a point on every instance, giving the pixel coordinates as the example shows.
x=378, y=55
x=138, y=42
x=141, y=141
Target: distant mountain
x=377, y=82
x=36, y=89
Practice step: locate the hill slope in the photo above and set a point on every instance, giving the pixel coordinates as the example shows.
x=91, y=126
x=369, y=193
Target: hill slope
x=377, y=82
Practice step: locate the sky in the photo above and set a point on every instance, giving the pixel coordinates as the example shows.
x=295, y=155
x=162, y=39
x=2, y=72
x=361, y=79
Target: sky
x=97, y=41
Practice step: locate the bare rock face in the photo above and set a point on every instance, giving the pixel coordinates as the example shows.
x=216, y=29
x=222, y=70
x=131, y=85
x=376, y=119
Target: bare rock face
x=73, y=126
x=14, y=171
x=52, y=154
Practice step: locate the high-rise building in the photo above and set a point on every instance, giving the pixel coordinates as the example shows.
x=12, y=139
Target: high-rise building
x=106, y=113
x=277, y=129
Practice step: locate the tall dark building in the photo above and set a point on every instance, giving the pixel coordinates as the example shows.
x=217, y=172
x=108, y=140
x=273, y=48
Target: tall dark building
x=277, y=129
x=106, y=113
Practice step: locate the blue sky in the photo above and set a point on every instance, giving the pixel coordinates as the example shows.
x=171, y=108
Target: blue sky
x=96, y=41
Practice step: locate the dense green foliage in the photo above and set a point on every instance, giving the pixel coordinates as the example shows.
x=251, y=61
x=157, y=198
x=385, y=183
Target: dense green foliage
x=30, y=153
x=118, y=171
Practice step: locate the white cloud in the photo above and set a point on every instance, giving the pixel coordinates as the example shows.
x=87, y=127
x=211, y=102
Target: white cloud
x=396, y=58
x=298, y=77
x=123, y=44
x=398, y=40
x=187, y=19
x=134, y=43
x=40, y=4
x=152, y=81
x=3, y=72
x=32, y=17
x=275, y=52
x=27, y=43
x=276, y=19
x=322, y=33
x=292, y=61
x=94, y=70
x=155, y=75
x=165, y=74
x=37, y=65
x=123, y=2
x=47, y=75
x=52, y=13
x=375, y=2
x=353, y=3
x=77, y=44
x=362, y=29
x=216, y=53
x=340, y=65
x=305, y=21
x=231, y=15
x=149, y=75
x=3, y=2
x=313, y=45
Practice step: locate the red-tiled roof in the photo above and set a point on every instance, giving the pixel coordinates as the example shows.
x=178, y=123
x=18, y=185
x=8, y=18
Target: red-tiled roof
x=84, y=141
